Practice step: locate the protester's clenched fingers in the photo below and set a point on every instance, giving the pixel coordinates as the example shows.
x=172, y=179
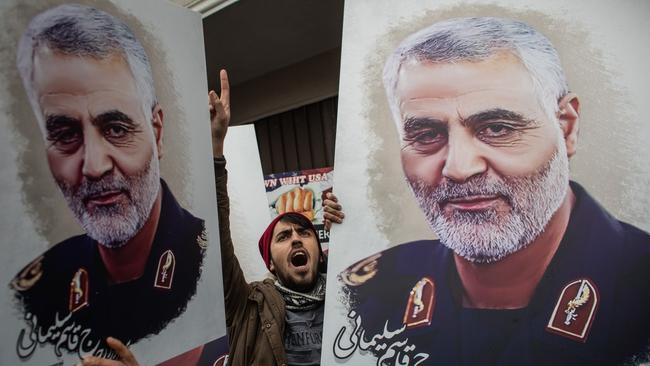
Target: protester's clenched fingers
x=126, y=358
x=333, y=208
x=332, y=205
x=331, y=196
x=213, y=99
x=333, y=217
x=212, y=96
x=123, y=351
x=216, y=105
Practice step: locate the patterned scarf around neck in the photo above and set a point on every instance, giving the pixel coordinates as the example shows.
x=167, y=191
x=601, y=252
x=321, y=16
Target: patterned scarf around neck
x=300, y=300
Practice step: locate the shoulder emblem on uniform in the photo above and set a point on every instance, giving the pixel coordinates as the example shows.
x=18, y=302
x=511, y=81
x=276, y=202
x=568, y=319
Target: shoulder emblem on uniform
x=360, y=272
x=221, y=361
x=575, y=310
x=78, y=290
x=28, y=276
x=165, y=271
x=202, y=238
x=422, y=300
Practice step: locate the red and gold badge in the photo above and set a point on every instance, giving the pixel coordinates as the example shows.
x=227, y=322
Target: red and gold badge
x=575, y=310
x=221, y=361
x=78, y=290
x=165, y=271
x=421, y=302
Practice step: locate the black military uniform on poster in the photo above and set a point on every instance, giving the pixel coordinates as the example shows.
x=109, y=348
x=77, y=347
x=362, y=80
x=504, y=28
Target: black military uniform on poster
x=590, y=308
x=65, y=291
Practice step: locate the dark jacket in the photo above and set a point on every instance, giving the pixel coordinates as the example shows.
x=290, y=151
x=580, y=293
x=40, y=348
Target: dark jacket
x=255, y=312
x=66, y=293
x=610, y=255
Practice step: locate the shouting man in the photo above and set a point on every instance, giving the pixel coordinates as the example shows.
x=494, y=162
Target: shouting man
x=278, y=321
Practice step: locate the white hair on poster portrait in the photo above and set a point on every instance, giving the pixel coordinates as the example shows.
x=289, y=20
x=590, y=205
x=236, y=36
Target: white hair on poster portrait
x=151, y=54
x=599, y=47
x=611, y=150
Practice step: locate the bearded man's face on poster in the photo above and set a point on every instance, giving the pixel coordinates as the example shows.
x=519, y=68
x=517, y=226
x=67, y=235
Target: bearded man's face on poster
x=101, y=147
x=487, y=163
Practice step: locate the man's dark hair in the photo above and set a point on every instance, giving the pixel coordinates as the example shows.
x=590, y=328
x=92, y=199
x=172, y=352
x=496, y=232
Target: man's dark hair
x=302, y=221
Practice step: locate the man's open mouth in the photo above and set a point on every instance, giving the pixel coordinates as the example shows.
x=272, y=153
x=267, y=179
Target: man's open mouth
x=299, y=258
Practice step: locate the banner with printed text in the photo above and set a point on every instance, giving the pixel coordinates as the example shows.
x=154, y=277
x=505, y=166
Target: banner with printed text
x=301, y=191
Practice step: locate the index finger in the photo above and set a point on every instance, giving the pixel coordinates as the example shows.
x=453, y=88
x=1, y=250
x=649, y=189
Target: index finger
x=225, y=87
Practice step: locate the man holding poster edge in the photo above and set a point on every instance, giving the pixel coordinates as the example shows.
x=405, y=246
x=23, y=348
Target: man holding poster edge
x=265, y=319
x=529, y=269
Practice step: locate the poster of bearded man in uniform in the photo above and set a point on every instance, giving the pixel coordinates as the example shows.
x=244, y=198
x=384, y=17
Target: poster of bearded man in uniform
x=109, y=226
x=494, y=159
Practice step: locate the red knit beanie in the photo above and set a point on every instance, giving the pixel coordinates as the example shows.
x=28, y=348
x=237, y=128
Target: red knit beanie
x=266, y=238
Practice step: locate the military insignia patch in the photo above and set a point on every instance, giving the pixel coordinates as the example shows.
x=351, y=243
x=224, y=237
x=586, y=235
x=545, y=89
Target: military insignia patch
x=28, y=276
x=221, y=361
x=78, y=290
x=419, y=308
x=165, y=272
x=575, y=310
x=360, y=272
